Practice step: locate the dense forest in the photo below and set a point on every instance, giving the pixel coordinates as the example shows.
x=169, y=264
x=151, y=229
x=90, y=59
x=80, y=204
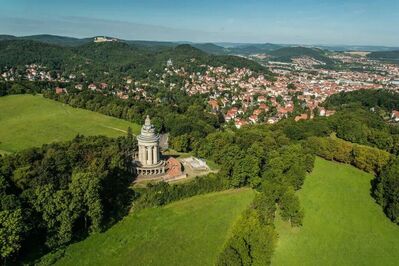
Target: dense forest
x=387, y=100
x=25, y=87
x=62, y=192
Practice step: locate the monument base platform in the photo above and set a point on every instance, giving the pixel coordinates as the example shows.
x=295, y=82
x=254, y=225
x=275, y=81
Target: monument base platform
x=158, y=169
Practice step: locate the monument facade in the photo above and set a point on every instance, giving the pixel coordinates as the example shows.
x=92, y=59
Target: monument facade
x=148, y=159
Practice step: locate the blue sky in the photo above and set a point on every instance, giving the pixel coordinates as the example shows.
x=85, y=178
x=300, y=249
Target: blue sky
x=285, y=21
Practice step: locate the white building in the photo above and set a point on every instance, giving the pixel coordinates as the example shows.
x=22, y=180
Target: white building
x=149, y=161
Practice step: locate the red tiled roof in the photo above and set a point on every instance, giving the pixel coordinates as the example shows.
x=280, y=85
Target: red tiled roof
x=174, y=167
x=301, y=117
x=59, y=90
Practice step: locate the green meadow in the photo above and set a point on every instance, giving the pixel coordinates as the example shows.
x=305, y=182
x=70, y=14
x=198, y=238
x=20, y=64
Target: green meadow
x=342, y=224
x=28, y=121
x=186, y=232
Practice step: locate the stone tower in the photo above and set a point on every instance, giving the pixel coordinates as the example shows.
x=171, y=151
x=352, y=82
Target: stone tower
x=149, y=160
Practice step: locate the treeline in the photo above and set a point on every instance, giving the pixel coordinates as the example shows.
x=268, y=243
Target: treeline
x=25, y=87
x=61, y=192
x=162, y=193
x=254, y=238
x=365, y=158
x=386, y=190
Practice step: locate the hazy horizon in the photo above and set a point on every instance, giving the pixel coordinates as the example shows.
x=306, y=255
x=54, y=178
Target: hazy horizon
x=307, y=22
x=221, y=43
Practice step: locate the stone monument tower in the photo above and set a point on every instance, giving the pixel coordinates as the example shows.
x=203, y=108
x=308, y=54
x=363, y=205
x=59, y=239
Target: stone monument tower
x=149, y=161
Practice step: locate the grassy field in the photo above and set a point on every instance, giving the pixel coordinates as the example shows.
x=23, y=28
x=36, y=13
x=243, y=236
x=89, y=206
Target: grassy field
x=28, y=121
x=342, y=224
x=187, y=232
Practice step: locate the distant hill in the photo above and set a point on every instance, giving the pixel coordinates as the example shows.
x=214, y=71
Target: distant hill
x=58, y=40
x=238, y=49
x=150, y=44
x=347, y=48
x=4, y=37
x=183, y=54
x=255, y=48
x=22, y=52
x=50, y=39
x=389, y=56
x=286, y=54
x=242, y=49
x=116, y=59
x=211, y=48
x=71, y=41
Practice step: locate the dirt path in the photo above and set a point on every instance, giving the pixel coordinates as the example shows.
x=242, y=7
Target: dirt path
x=114, y=128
